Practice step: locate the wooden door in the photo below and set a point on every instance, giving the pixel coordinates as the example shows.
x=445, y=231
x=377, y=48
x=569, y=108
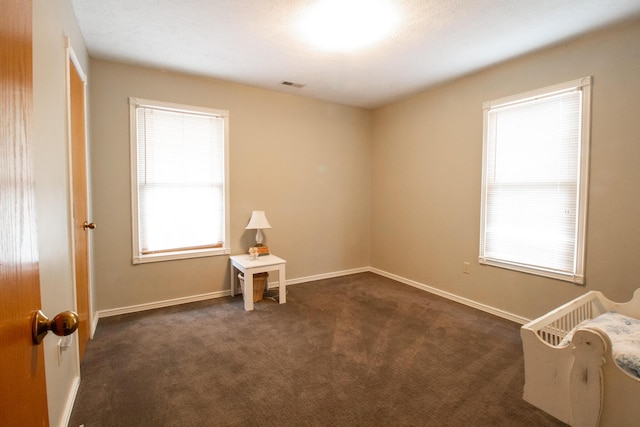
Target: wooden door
x=80, y=210
x=23, y=396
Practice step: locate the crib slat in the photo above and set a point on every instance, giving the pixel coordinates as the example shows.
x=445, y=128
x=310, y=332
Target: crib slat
x=554, y=332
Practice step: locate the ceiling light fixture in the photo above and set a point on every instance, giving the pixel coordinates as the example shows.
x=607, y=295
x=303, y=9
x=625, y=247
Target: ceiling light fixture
x=348, y=25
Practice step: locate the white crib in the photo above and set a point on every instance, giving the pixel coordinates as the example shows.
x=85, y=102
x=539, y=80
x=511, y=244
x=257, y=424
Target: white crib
x=579, y=382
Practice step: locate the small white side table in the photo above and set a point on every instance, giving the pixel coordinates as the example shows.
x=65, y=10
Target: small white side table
x=249, y=267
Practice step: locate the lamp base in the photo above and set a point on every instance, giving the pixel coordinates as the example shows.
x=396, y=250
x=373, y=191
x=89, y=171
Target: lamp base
x=262, y=250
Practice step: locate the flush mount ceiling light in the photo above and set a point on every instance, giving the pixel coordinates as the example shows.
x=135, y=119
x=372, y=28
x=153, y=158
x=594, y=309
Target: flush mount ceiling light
x=347, y=25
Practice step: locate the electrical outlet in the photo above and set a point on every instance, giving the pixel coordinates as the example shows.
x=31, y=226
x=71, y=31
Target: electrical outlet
x=466, y=267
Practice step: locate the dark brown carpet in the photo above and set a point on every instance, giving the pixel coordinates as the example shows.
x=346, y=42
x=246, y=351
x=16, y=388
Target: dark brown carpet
x=360, y=350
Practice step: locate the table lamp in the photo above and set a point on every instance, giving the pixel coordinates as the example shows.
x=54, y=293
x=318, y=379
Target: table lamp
x=258, y=221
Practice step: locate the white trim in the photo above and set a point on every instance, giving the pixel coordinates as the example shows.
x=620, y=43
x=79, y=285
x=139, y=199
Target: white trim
x=137, y=256
x=328, y=275
x=584, y=165
x=75, y=61
x=160, y=304
x=71, y=56
x=220, y=294
x=96, y=316
x=133, y=168
x=474, y=304
x=169, y=256
x=544, y=92
x=276, y=284
x=71, y=398
x=582, y=85
x=538, y=271
x=172, y=106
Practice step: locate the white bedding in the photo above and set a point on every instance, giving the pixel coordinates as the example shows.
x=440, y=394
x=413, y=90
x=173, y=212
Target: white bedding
x=624, y=333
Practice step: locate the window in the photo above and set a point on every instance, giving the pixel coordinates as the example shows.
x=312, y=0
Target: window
x=179, y=181
x=534, y=181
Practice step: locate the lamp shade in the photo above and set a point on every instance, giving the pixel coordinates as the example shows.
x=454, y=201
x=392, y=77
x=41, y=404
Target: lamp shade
x=258, y=220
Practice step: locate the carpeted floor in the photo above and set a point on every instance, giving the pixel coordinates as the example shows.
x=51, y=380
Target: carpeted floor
x=360, y=350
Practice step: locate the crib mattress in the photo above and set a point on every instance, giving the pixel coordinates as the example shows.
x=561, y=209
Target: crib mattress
x=624, y=333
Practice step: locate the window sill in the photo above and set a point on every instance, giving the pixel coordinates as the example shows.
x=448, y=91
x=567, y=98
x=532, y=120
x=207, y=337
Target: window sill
x=170, y=256
x=567, y=277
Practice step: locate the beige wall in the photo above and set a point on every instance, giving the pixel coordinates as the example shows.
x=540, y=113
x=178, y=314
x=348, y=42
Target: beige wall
x=53, y=20
x=426, y=159
x=305, y=162
x=324, y=173
x=419, y=158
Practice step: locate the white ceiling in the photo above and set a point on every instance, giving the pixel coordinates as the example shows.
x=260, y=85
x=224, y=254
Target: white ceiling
x=260, y=43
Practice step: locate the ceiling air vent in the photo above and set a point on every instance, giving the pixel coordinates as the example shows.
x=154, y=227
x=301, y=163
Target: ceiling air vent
x=296, y=85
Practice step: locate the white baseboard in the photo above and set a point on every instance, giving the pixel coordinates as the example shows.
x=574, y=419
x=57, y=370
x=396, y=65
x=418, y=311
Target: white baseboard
x=194, y=298
x=483, y=307
x=66, y=417
x=94, y=324
x=328, y=275
x=160, y=304
x=211, y=295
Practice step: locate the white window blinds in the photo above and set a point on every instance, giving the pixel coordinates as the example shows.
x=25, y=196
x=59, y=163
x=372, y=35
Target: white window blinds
x=180, y=179
x=534, y=181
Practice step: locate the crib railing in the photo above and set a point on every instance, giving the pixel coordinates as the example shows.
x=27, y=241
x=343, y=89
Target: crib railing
x=554, y=332
x=554, y=326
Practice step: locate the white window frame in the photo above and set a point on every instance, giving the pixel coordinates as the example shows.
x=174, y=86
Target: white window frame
x=138, y=256
x=577, y=275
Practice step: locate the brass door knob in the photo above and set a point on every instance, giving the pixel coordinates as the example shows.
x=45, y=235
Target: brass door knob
x=88, y=225
x=63, y=324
